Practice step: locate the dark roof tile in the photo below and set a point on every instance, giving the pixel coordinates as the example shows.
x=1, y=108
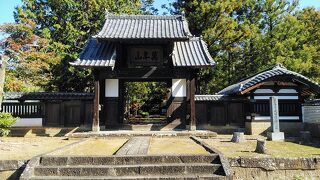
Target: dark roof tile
x=97, y=54
x=144, y=27
x=47, y=96
x=193, y=53
x=277, y=70
x=217, y=98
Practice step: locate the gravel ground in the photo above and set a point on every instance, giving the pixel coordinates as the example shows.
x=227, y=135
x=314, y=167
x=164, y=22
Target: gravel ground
x=95, y=147
x=24, y=148
x=274, y=149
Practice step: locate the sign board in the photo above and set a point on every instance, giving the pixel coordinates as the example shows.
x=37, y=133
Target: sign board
x=145, y=55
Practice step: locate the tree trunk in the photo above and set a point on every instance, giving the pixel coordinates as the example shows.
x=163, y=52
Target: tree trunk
x=3, y=65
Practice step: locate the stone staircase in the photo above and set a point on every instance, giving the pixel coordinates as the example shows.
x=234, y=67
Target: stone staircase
x=128, y=167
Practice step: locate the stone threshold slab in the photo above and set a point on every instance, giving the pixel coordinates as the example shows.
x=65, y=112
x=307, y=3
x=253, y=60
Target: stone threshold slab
x=124, y=133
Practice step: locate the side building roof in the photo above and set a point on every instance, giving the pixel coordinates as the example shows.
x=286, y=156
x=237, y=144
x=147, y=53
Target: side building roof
x=118, y=27
x=276, y=71
x=217, y=97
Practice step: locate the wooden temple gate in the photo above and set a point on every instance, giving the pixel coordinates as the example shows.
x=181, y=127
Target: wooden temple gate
x=180, y=103
x=144, y=48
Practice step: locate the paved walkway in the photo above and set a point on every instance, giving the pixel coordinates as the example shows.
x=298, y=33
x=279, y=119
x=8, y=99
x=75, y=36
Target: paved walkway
x=135, y=146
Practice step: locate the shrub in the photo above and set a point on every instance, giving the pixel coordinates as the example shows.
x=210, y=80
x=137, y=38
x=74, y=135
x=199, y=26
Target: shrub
x=145, y=114
x=6, y=121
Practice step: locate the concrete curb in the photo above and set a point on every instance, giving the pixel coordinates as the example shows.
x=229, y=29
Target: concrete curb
x=224, y=161
x=8, y=165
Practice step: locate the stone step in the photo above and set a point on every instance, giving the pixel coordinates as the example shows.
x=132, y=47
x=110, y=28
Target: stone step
x=129, y=170
x=168, y=177
x=127, y=160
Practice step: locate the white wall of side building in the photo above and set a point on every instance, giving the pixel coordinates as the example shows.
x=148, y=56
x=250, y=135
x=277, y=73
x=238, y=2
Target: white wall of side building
x=258, y=92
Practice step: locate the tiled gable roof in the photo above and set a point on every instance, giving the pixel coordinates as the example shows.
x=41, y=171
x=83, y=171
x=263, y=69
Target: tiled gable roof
x=144, y=26
x=277, y=70
x=97, y=54
x=47, y=96
x=193, y=53
x=190, y=53
x=217, y=97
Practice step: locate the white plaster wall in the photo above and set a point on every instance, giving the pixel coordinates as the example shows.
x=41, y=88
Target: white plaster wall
x=287, y=91
x=279, y=97
x=179, y=87
x=284, y=91
x=291, y=118
x=259, y=91
x=112, y=88
x=27, y=122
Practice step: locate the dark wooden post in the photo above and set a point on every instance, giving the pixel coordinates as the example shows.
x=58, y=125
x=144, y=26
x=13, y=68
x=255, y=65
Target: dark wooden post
x=95, y=122
x=192, y=105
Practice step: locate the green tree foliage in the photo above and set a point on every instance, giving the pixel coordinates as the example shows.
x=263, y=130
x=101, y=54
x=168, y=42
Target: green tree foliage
x=298, y=45
x=65, y=25
x=30, y=57
x=145, y=96
x=243, y=36
x=247, y=36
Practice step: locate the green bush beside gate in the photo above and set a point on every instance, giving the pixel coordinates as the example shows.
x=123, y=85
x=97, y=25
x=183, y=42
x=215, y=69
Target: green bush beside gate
x=6, y=122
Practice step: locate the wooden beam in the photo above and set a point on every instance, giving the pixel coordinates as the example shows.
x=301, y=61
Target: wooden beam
x=192, y=104
x=95, y=122
x=251, y=88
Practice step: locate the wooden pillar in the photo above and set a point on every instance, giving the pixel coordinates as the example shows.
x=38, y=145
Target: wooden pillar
x=95, y=122
x=192, y=104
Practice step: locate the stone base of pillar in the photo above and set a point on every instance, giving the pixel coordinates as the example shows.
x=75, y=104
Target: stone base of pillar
x=275, y=136
x=192, y=128
x=238, y=137
x=95, y=128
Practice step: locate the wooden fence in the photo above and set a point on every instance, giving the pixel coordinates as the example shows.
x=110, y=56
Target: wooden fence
x=286, y=108
x=25, y=109
x=67, y=113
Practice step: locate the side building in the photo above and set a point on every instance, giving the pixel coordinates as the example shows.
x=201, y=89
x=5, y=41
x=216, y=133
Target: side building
x=246, y=103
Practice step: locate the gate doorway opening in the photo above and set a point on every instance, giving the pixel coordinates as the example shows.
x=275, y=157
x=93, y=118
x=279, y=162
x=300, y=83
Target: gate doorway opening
x=146, y=102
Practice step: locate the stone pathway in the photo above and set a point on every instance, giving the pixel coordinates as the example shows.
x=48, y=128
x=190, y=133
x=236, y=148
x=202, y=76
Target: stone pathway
x=135, y=146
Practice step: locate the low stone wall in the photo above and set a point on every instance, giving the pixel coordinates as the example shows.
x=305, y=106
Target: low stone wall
x=275, y=168
x=262, y=127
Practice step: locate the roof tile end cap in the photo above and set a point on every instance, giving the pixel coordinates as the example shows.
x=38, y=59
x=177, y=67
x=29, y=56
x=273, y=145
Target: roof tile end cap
x=279, y=66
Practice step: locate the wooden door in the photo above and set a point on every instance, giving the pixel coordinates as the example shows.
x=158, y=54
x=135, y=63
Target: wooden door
x=73, y=114
x=217, y=114
x=236, y=115
x=52, y=114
